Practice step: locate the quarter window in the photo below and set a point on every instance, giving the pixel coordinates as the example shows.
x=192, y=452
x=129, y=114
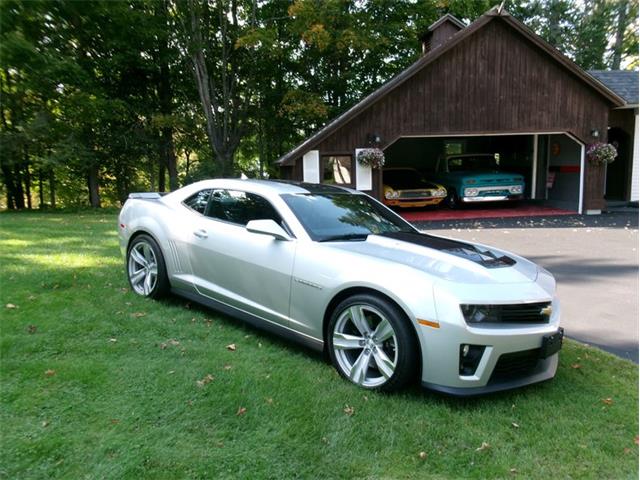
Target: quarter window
x=240, y=207
x=337, y=169
x=198, y=201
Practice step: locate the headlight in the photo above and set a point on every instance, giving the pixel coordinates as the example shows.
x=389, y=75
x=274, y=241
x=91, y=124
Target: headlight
x=391, y=194
x=470, y=192
x=440, y=193
x=479, y=313
x=516, y=189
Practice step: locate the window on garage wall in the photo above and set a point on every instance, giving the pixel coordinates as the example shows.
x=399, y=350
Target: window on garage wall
x=338, y=170
x=454, y=147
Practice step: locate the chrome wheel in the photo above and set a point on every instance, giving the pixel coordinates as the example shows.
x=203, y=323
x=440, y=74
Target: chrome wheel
x=143, y=268
x=365, y=345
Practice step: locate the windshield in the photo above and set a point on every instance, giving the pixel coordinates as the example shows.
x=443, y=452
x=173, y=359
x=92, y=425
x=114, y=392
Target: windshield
x=403, y=178
x=479, y=163
x=343, y=216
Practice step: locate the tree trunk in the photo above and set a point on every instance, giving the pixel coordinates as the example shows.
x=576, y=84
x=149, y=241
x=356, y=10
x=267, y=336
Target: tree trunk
x=94, y=190
x=165, y=97
x=27, y=178
x=19, y=191
x=52, y=188
x=620, y=29
x=161, y=175
x=40, y=189
x=9, y=186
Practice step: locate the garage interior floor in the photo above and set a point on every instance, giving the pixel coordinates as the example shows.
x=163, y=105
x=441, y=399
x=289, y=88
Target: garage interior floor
x=474, y=211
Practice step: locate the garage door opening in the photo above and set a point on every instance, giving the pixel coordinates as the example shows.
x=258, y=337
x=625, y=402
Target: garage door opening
x=550, y=163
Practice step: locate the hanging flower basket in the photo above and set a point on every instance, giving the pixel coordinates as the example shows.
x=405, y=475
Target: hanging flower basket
x=600, y=153
x=371, y=157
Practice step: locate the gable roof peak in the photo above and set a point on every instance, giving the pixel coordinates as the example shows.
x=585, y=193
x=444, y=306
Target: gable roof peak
x=447, y=18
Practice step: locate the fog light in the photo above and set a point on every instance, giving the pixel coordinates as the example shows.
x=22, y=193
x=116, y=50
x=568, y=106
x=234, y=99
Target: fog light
x=470, y=192
x=470, y=356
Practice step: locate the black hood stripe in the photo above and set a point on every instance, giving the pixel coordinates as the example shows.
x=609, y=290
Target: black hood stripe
x=453, y=247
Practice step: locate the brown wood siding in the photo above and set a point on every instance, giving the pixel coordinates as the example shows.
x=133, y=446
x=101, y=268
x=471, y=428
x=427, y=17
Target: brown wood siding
x=495, y=81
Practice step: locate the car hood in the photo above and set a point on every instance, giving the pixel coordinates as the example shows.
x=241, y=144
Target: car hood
x=444, y=258
x=486, y=176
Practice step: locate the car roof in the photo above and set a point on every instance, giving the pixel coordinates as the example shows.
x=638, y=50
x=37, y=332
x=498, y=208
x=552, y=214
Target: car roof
x=271, y=186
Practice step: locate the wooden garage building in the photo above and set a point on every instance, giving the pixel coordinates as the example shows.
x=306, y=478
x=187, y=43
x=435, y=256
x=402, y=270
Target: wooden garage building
x=493, y=78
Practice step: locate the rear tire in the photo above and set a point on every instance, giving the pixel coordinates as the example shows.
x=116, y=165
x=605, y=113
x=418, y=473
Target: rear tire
x=146, y=270
x=452, y=200
x=371, y=343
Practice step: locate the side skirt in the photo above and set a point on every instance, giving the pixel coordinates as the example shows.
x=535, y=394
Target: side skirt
x=252, y=319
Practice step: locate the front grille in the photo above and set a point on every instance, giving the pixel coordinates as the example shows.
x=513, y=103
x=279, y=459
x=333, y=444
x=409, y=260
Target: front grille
x=531, y=313
x=525, y=313
x=514, y=365
x=416, y=194
x=493, y=193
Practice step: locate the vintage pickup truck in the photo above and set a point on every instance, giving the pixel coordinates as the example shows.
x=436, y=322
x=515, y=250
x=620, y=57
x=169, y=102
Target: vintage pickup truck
x=476, y=177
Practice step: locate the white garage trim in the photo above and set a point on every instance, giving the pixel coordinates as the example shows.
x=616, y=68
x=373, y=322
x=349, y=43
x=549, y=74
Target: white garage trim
x=311, y=167
x=364, y=177
x=635, y=164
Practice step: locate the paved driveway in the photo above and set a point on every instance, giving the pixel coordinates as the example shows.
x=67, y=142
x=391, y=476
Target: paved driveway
x=594, y=260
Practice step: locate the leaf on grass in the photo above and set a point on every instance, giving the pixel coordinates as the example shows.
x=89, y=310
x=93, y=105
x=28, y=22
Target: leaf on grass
x=139, y=314
x=227, y=367
x=513, y=470
x=32, y=329
x=241, y=411
x=350, y=411
x=576, y=366
x=325, y=440
x=31, y=297
x=11, y=306
x=515, y=425
x=422, y=455
x=113, y=340
x=45, y=423
x=484, y=446
x=50, y=373
x=231, y=347
x=607, y=401
x=207, y=379
x=115, y=421
x=269, y=400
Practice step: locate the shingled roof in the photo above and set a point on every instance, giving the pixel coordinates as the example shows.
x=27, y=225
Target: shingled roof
x=622, y=82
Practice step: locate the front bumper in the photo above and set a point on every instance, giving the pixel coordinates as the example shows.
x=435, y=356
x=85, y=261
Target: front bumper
x=414, y=202
x=545, y=370
x=494, y=198
x=441, y=349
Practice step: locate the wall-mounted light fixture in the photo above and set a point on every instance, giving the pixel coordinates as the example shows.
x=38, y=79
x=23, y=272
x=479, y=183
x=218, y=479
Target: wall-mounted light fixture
x=373, y=139
x=595, y=133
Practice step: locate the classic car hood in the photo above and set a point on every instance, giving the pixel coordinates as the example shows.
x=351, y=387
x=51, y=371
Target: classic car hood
x=444, y=258
x=485, y=176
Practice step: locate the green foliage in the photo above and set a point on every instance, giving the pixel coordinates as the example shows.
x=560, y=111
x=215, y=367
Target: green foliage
x=99, y=98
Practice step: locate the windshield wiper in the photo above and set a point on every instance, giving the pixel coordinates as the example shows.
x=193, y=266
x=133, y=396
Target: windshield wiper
x=346, y=236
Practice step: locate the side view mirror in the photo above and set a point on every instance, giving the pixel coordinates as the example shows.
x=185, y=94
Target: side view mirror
x=268, y=227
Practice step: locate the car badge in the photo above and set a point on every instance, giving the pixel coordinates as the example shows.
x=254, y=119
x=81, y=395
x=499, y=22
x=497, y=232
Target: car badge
x=546, y=311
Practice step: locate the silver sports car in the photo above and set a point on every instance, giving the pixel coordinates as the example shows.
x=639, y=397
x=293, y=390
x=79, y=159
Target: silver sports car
x=338, y=271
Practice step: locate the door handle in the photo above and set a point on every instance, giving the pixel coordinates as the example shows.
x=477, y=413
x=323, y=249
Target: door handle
x=201, y=233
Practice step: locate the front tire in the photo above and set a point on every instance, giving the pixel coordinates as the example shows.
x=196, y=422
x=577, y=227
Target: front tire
x=371, y=343
x=146, y=269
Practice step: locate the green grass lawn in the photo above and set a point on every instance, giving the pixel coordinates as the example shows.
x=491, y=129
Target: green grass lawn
x=100, y=383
